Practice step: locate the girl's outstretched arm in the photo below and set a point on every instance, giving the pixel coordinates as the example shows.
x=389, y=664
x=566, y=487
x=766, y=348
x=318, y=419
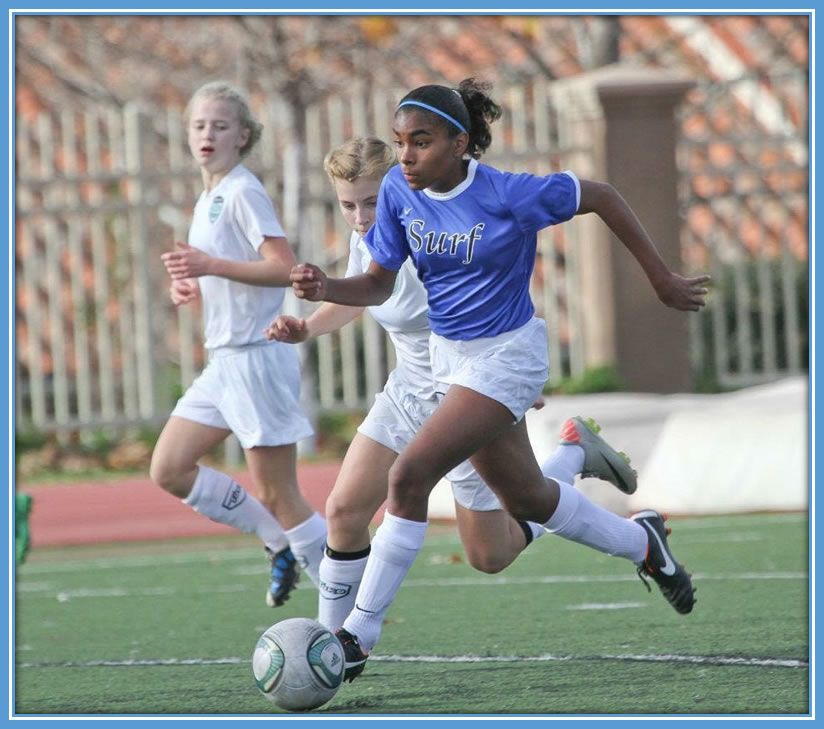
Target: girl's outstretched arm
x=676, y=291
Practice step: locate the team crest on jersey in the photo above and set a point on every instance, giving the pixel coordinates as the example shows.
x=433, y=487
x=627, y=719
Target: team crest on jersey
x=215, y=208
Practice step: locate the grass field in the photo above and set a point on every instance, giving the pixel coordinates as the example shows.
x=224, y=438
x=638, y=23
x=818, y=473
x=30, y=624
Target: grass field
x=169, y=629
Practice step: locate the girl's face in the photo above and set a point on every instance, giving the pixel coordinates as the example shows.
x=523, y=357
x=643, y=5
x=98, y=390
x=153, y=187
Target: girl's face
x=215, y=134
x=358, y=201
x=429, y=157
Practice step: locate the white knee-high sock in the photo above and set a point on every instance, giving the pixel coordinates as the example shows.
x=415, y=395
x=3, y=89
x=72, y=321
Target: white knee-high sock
x=307, y=541
x=578, y=519
x=565, y=463
x=217, y=496
x=531, y=530
x=339, y=582
x=394, y=548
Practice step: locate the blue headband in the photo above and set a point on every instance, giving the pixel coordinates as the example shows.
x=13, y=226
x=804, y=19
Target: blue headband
x=435, y=111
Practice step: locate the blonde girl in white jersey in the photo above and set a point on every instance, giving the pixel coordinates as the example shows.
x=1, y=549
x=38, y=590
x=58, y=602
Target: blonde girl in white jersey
x=491, y=537
x=237, y=262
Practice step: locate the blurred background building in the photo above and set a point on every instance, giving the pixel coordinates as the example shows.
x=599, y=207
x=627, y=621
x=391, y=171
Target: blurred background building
x=701, y=122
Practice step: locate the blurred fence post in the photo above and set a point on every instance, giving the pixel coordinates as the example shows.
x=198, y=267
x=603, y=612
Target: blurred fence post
x=144, y=343
x=651, y=341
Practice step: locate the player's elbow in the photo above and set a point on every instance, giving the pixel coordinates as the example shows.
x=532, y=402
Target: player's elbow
x=381, y=283
x=381, y=289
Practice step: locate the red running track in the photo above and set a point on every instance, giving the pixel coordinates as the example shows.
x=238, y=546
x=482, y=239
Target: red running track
x=135, y=509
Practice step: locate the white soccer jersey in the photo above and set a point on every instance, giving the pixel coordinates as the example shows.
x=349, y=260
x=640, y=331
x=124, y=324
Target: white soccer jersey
x=231, y=222
x=405, y=317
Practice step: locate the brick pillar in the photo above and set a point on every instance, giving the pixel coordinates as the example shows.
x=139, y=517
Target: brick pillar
x=651, y=341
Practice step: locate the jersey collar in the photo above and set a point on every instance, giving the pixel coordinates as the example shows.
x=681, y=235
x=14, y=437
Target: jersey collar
x=236, y=171
x=457, y=190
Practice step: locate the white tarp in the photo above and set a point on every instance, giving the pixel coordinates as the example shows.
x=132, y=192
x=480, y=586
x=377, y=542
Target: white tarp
x=695, y=454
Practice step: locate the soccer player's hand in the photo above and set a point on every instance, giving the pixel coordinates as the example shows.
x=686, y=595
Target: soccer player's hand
x=308, y=282
x=539, y=403
x=683, y=293
x=287, y=329
x=186, y=262
x=184, y=291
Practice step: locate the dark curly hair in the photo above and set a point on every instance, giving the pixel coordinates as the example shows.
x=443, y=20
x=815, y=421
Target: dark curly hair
x=483, y=111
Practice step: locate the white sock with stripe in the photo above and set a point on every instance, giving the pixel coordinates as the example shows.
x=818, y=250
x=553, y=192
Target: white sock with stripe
x=220, y=498
x=394, y=548
x=578, y=519
x=339, y=583
x=307, y=541
x=565, y=463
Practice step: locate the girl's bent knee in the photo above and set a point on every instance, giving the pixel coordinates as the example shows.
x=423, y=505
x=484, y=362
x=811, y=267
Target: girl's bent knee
x=346, y=517
x=409, y=489
x=410, y=477
x=490, y=563
x=168, y=477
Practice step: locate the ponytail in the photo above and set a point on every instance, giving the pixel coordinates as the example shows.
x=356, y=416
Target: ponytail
x=483, y=111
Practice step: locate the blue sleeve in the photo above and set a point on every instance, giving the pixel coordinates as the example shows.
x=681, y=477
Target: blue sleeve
x=386, y=239
x=538, y=202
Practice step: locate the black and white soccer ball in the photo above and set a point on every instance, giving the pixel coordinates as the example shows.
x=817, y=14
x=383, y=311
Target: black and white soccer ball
x=298, y=664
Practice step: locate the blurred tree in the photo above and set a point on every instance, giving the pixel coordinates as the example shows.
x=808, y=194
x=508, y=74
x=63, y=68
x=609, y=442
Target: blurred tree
x=598, y=39
x=70, y=61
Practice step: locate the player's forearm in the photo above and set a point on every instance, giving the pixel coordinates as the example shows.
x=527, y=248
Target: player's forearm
x=606, y=202
x=331, y=317
x=254, y=273
x=362, y=290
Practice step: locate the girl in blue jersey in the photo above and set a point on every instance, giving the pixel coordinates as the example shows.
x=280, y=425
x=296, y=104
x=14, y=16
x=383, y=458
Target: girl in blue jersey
x=237, y=263
x=492, y=539
x=471, y=232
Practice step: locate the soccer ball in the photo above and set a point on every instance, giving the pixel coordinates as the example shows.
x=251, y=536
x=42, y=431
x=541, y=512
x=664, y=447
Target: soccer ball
x=298, y=664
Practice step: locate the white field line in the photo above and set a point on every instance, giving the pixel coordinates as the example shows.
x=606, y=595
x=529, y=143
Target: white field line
x=154, y=561
x=584, y=579
x=544, y=658
x=151, y=561
x=34, y=586
x=728, y=538
x=742, y=522
x=44, y=590
x=607, y=606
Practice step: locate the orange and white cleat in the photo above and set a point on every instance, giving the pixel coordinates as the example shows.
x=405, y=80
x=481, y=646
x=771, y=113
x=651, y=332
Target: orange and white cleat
x=601, y=460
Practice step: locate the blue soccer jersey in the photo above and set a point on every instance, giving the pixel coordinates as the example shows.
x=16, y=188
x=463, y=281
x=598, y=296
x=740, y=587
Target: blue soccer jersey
x=474, y=246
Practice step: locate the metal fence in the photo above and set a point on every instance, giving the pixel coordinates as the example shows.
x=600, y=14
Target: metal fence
x=99, y=197
x=744, y=196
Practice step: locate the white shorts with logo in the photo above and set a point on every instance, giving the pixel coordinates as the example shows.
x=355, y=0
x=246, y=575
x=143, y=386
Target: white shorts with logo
x=394, y=420
x=510, y=368
x=254, y=391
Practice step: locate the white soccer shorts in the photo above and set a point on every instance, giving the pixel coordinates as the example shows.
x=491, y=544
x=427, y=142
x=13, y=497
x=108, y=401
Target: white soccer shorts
x=254, y=391
x=510, y=368
x=394, y=419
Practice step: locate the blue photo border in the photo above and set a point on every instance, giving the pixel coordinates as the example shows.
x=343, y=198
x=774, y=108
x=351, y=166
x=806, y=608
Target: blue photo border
x=371, y=7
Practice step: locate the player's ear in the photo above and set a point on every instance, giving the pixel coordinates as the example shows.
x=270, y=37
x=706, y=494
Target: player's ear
x=460, y=143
